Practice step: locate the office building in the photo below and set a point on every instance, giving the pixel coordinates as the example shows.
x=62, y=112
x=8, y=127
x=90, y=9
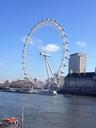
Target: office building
x=77, y=63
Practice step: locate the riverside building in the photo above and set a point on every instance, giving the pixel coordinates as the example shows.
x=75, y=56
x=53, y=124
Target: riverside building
x=78, y=81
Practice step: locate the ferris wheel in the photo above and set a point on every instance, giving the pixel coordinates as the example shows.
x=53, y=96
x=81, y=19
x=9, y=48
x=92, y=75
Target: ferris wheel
x=65, y=48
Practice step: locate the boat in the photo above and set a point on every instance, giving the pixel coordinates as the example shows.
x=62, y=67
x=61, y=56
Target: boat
x=47, y=92
x=27, y=91
x=12, y=90
x=10, y=122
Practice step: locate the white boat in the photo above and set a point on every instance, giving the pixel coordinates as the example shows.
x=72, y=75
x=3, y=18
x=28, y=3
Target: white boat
x=30, y=92
x=12, y=90
x=26, y=90
x=47, y=92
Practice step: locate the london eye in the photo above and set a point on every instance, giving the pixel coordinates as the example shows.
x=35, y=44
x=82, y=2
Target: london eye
x=64, y=48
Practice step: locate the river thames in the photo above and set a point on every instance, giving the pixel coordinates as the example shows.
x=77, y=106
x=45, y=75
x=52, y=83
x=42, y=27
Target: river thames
x=50, y=111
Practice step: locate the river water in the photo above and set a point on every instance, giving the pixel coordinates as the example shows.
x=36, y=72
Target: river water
x=50, y=111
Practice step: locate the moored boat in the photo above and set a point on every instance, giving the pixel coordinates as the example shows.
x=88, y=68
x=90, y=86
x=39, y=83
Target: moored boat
x=10, y=123
x=47, y=92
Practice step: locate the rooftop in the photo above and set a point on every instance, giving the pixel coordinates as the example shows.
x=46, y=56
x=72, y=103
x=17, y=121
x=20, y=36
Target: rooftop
x=81, y=75
x=78, y=53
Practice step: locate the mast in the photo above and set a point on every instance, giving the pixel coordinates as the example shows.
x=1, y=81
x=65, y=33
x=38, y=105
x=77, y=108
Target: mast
x=22, y=117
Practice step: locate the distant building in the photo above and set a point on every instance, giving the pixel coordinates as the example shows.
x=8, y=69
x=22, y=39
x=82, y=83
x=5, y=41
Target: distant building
x=77, y=63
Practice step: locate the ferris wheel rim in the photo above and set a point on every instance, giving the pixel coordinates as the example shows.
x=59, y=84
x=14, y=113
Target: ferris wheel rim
x=40, y=24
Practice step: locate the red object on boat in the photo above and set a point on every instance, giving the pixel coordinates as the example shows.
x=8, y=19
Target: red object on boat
x=10, y=120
